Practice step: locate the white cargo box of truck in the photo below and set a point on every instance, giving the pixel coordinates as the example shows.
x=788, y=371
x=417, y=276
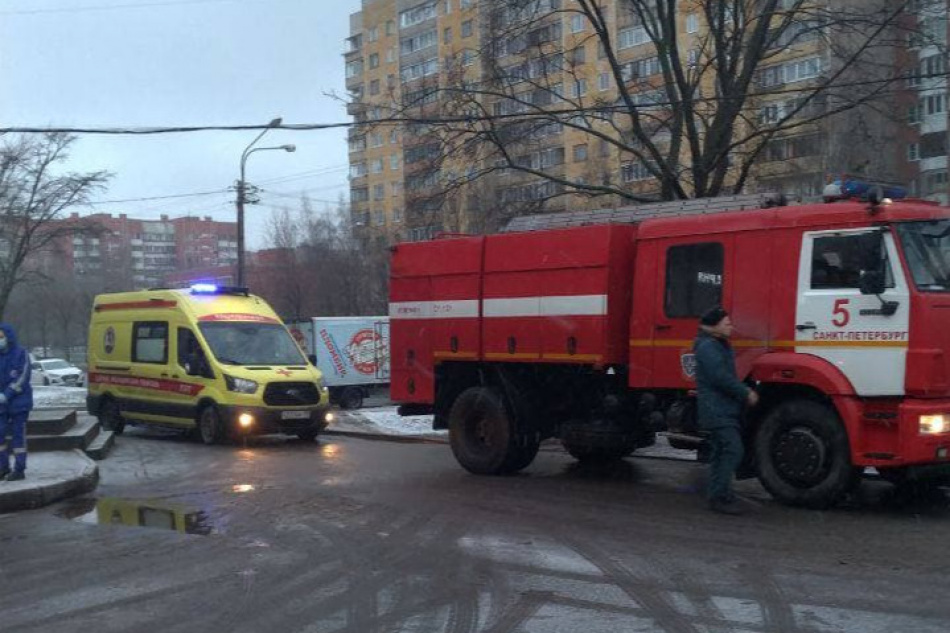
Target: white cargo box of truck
x=352, y=353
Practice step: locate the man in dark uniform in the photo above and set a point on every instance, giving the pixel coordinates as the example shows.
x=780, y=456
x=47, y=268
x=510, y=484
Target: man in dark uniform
x=722, y=398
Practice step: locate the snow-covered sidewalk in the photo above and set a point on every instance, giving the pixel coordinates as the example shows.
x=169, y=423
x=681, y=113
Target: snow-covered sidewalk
x=59, y=397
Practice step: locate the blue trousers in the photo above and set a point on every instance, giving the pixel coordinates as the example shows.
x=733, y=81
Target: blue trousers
x=13, y=425
x=725, y=455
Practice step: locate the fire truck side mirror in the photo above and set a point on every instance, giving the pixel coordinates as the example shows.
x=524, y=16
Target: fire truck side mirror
x=873, y=282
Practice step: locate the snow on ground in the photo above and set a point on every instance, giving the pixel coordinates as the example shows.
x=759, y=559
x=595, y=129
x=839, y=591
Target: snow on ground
x=59, y=397
x=385, y=420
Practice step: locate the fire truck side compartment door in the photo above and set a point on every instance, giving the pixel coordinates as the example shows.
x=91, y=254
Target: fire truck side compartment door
x=850, y=330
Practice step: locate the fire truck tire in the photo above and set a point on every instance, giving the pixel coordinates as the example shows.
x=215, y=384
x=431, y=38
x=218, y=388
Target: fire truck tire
x=482, y=434
x=211, y=428
x=803, y=455
x=110, y=417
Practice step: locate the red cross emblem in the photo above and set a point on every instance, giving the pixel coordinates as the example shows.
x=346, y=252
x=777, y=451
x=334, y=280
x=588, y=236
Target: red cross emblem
x=283, y=372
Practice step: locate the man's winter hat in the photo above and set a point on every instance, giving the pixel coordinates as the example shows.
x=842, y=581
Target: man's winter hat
x=713, y=316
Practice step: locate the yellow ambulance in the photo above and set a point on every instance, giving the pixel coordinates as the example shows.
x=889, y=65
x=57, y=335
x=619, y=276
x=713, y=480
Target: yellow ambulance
x=211, y=358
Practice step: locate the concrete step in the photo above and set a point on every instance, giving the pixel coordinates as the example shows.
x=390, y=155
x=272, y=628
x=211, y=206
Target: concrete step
x=99, y=448
x=80, y=436
x=50, y=422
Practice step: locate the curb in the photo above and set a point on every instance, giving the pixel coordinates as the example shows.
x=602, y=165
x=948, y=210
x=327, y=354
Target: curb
x=39, y=496
x=400, y=439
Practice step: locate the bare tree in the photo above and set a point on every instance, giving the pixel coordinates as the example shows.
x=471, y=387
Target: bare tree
x=687, y=97
x=33, y=200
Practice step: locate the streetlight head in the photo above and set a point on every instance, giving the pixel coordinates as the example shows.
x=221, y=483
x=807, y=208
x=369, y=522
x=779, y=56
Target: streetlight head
x=289, y=148
x=275, y=122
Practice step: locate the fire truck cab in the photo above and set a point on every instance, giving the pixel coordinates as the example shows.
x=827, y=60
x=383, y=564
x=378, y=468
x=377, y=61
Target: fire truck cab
x=584, y=333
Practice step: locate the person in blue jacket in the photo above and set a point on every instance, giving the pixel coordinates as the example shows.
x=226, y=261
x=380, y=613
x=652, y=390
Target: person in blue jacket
x=722, y=398
x=16, y=401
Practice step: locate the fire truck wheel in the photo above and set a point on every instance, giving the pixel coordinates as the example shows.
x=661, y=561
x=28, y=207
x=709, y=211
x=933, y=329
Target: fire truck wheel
x=482, y=434
x=803, y=455
x=211, y=427
x=110, y=418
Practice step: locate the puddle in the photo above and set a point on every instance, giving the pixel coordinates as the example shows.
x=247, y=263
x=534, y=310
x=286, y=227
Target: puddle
x=150, y=514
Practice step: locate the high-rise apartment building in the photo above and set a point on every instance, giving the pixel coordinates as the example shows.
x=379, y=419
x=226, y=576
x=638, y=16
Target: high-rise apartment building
x=425, y=61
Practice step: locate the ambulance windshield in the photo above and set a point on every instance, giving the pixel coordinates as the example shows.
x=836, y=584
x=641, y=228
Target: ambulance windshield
x=927, y=249
x=241, y=343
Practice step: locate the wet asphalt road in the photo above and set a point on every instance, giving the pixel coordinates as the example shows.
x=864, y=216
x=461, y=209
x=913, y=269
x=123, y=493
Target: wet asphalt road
x=367, y=536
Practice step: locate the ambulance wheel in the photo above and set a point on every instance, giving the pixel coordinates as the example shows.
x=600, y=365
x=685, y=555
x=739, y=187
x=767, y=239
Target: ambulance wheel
x=351, y=398
x=111, y=418
x=211, y=428
x=482, y=434
x=308, y=435
x=803, y=455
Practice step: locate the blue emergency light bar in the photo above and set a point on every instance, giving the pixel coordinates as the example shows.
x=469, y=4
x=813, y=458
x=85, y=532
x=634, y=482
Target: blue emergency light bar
x=854, y=188
x=214, y=289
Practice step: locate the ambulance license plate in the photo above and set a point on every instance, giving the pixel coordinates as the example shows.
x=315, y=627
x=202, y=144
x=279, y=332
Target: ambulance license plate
x=294, y=415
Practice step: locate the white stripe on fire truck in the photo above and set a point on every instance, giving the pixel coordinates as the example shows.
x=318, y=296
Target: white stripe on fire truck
x=548, y=306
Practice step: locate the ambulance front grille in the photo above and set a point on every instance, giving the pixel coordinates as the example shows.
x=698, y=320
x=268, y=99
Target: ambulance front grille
x=291, y=394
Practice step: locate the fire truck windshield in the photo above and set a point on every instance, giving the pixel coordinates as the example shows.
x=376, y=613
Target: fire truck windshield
x=927, y=249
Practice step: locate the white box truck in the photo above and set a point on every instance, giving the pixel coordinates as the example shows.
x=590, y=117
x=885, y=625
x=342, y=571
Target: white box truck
x=352, y=353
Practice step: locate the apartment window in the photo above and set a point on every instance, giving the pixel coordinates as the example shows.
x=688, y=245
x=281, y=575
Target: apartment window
x=379, y=192
x=579, y=55
x=375, y=139
x=376, y=166
x=468, y=57
x=580, y=153
x=635, y=172
x=915, y=113
x=935, y=104
x=578, y=22
x=393, y=137
x=633, y=36
x=417, y=15
x=694, y=276
x=692, y=57
x=467, y=28
x=396, y=188
x=579, y=88
x=447, y=35
x=374, y=87
x=601, y=50
x=374, y=34
x=603, y=81
x=354, y=68
x=394, y=162
x=397, y=216
x=692, y=23
x=418, y=42
x=448, y=7
x=390, y=54
x=390, y=27
x=357, y=170
x=374, y=60
x=913, y=152
x=466, y=4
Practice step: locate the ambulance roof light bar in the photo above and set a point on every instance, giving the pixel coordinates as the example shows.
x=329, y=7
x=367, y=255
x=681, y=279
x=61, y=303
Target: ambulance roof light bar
x=214, y=289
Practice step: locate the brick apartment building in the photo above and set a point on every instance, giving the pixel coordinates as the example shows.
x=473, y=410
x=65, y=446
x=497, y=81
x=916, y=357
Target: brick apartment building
x=141, y=253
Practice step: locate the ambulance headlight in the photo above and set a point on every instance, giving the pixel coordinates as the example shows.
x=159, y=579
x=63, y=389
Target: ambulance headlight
x=240, y=385
x=934, y=424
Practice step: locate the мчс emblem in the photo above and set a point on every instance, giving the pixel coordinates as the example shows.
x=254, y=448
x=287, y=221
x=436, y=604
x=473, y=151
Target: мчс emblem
x=688, y=363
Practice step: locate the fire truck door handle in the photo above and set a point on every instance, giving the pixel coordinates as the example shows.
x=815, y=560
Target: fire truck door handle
x=661, y=328
x=806, y=326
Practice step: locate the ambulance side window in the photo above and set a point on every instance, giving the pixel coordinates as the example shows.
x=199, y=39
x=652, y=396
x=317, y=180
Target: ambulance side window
x=150, y=342
x=837, y=260
x=693, y=279
x=190, y=354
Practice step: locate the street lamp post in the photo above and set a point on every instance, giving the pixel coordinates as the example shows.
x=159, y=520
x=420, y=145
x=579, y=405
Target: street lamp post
x=242, y=192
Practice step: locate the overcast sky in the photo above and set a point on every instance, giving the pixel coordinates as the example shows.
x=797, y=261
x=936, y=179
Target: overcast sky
x=117, y=63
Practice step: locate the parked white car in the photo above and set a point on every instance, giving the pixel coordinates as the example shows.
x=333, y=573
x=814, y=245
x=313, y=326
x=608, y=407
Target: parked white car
x=58, y=372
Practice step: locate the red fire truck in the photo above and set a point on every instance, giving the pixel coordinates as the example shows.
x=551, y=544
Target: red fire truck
x=580, y=326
